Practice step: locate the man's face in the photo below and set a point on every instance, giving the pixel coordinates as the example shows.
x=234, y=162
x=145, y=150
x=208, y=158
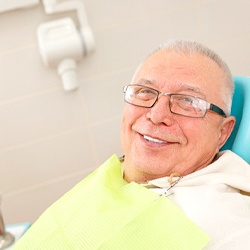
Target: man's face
x=156, y=142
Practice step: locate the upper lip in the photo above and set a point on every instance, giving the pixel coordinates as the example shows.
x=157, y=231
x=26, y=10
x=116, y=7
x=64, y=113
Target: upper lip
x=167, y=140
x=153, y=137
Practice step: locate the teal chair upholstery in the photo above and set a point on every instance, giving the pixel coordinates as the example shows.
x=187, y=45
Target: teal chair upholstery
x=239, y=141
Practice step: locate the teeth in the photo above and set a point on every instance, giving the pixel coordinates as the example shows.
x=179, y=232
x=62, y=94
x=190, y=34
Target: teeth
x=148, y=138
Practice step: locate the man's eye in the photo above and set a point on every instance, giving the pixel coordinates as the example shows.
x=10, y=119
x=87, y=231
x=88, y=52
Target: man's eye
x=185, y=100
x=145, y=93
x=188, y=100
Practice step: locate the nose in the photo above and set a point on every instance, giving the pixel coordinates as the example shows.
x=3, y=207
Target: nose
x=160, y=112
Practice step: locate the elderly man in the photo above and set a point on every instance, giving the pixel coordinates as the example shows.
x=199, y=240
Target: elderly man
x=173, y=189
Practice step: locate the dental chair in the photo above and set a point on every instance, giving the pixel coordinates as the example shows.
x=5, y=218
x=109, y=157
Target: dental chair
x=239, y=141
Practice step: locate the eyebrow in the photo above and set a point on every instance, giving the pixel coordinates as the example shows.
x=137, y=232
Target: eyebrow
x=189, y=87
x=181, y=87
x=144, y=81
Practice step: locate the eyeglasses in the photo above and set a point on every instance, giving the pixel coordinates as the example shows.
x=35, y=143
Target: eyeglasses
x=181, y=104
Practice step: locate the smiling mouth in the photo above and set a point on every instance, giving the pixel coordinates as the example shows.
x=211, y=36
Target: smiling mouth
x=151, y=139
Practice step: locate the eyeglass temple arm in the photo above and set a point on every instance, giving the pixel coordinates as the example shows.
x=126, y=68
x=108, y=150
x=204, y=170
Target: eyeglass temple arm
x=217, y=110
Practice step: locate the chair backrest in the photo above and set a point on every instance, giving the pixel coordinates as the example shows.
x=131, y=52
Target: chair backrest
x=239, y=141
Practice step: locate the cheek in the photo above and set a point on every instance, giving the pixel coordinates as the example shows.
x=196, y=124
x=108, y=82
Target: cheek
x=130, y=116
x=201, y=135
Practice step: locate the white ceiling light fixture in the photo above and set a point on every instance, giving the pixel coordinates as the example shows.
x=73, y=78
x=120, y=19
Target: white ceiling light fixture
x=61, y=44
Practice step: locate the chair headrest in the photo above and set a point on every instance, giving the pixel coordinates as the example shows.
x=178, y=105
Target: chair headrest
x=239, y=141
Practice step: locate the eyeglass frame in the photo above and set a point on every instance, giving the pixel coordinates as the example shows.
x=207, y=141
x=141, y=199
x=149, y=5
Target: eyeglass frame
x=209, y=106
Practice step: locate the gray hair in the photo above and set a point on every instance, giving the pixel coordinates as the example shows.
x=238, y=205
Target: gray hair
x=192, y=47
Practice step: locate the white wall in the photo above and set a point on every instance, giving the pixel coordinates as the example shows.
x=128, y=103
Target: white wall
x=49, y=139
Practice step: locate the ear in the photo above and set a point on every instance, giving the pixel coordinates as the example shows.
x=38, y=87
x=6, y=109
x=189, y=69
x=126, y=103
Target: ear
x=226, y=129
